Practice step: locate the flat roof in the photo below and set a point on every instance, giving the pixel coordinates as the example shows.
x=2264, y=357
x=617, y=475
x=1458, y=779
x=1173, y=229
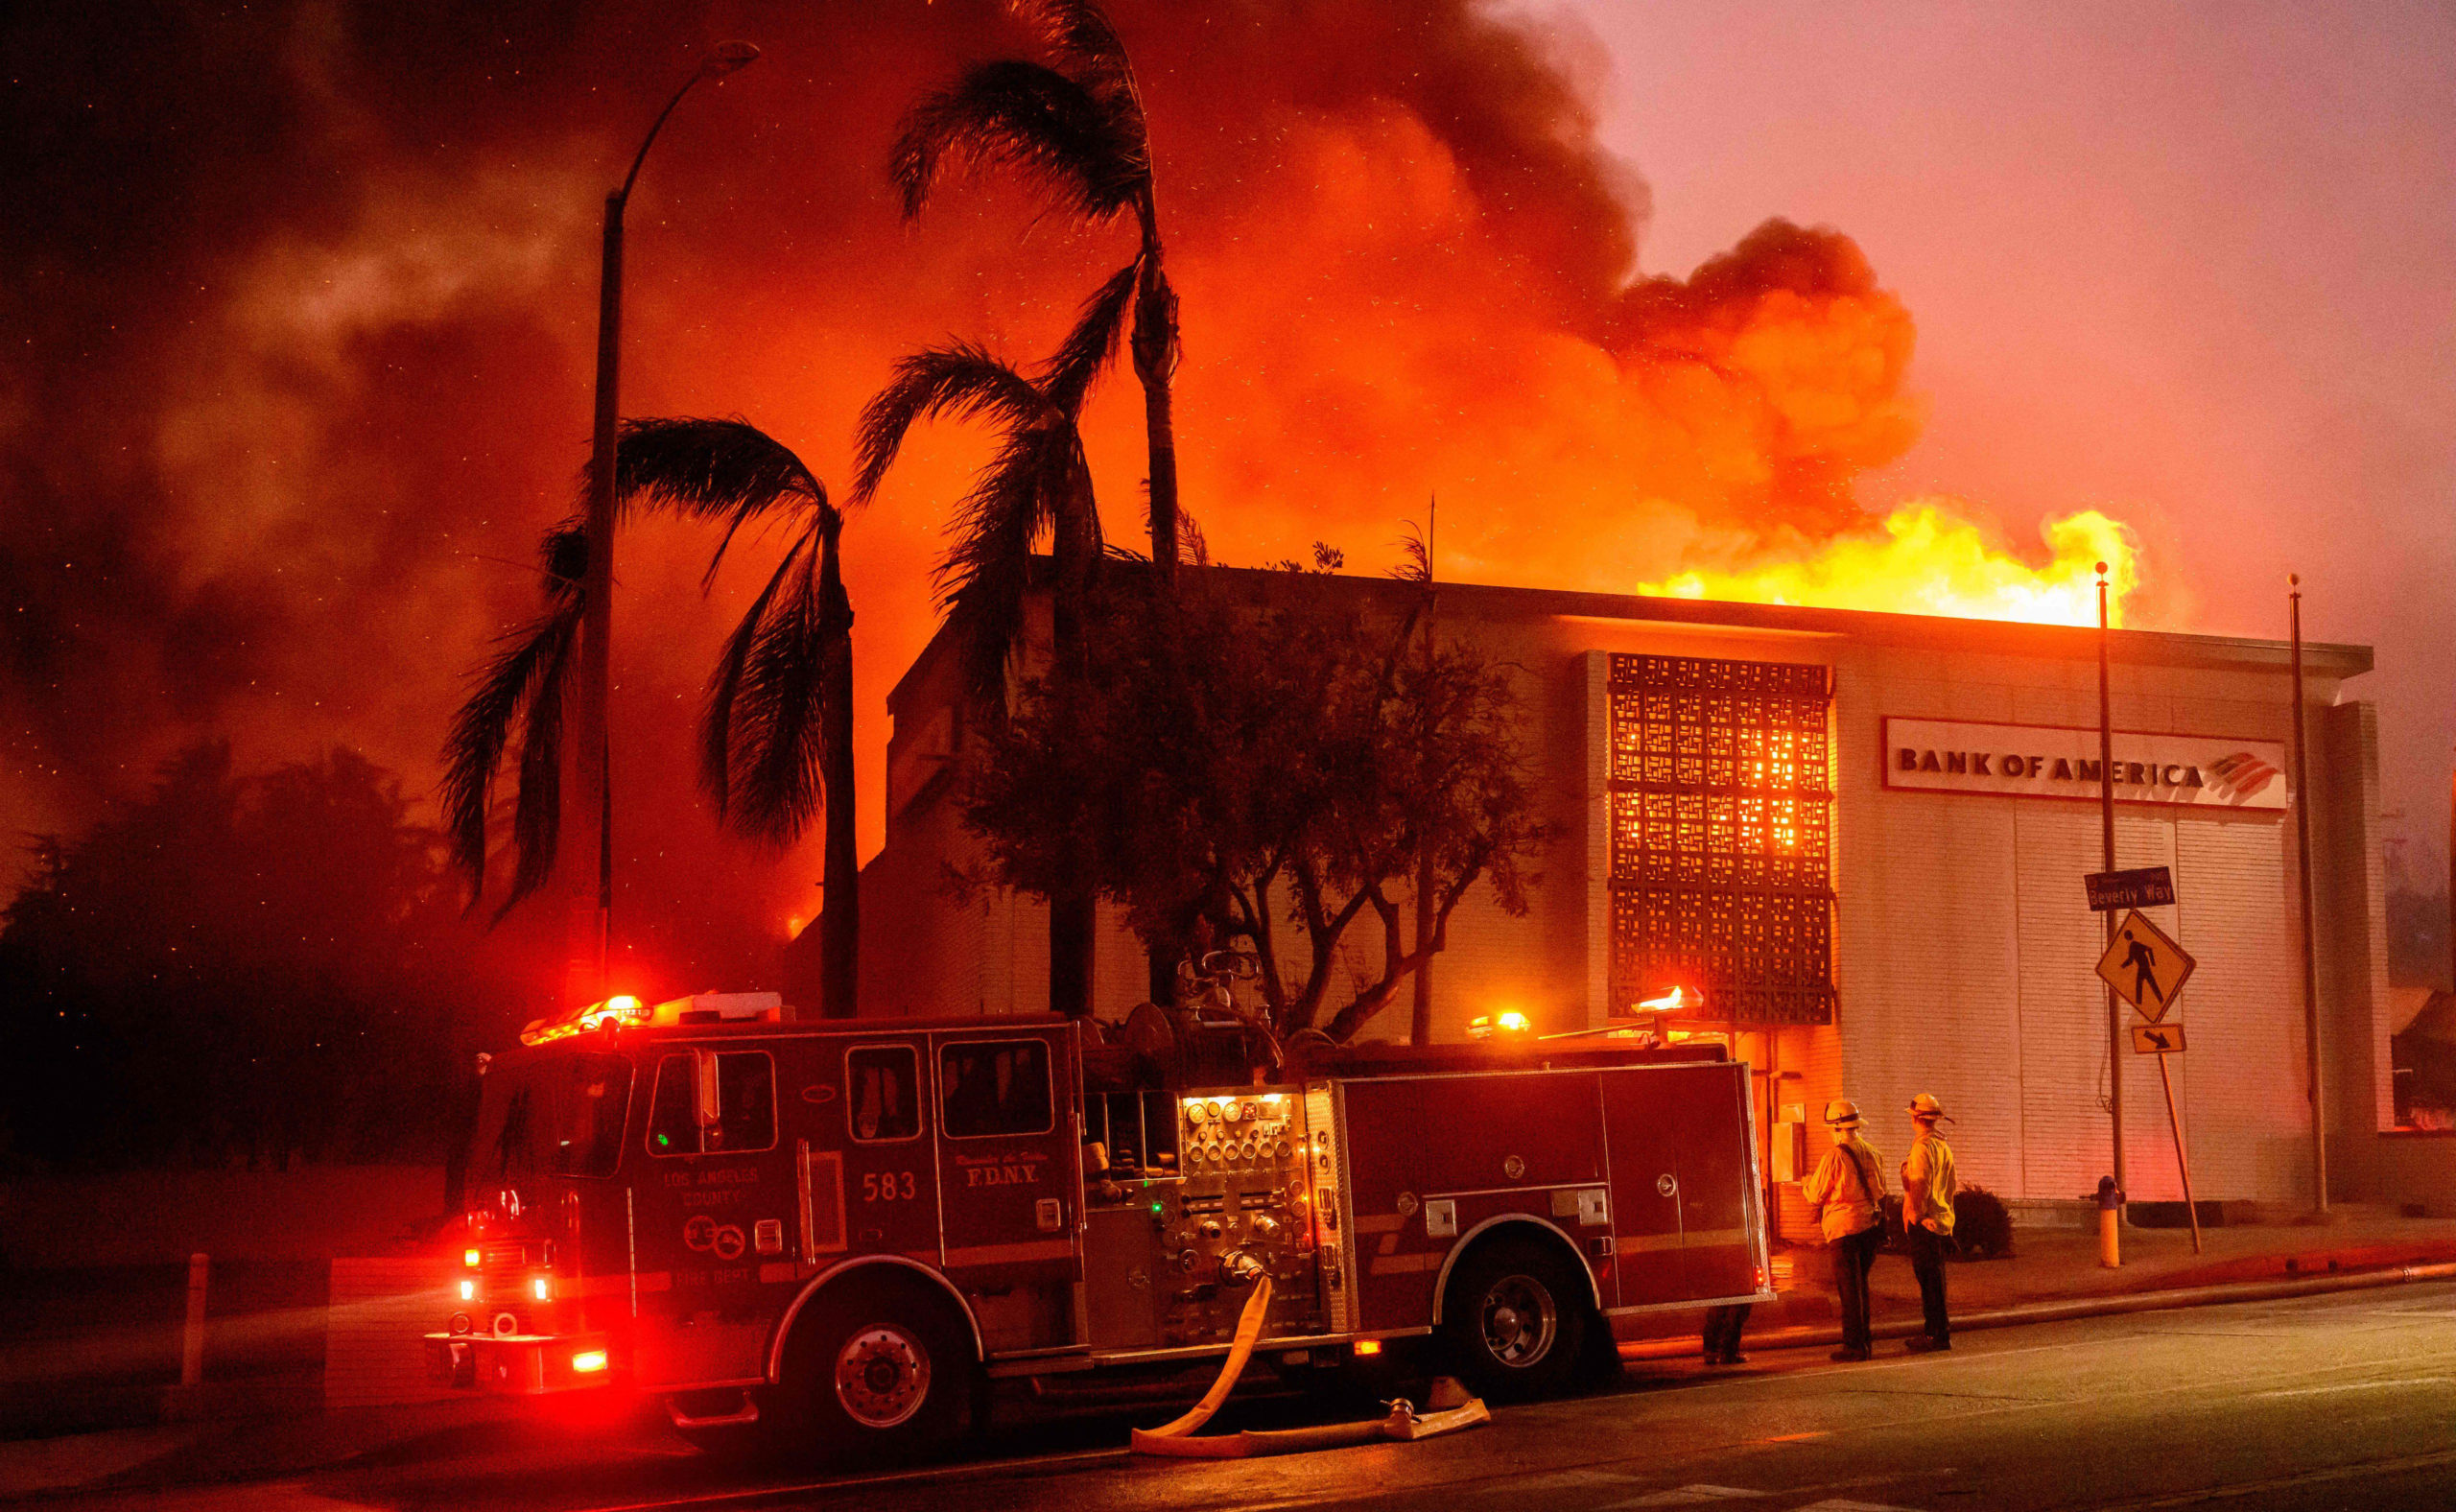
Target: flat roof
x=1870, y=627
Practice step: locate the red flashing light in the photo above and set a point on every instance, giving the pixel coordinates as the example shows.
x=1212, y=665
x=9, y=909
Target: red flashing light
x=470, y=1258
x=588, y=1361
x=1368, y=1346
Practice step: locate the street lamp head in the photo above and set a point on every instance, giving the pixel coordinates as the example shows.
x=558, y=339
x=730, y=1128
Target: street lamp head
x=728, y=58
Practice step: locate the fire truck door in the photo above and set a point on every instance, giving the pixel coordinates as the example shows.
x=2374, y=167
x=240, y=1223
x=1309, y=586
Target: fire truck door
x=1678, y=1141
x=1008, y=1162
x=883, y=1124
x=1644, y=1152
x=711, y=1205
x=1710, y=1109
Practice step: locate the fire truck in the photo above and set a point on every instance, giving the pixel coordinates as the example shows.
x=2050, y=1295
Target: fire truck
x=841, y=1235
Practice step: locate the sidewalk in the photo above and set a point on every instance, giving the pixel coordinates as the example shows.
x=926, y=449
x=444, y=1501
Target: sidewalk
x=2061, y=1265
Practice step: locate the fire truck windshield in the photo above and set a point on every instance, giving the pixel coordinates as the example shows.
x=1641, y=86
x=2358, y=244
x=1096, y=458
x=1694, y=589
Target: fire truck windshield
x=559, y=1115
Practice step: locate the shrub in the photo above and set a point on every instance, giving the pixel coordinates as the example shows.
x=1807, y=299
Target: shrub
x=1982, y=1224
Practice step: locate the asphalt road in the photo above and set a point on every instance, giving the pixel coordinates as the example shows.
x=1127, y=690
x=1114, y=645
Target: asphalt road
x=2342, y=1401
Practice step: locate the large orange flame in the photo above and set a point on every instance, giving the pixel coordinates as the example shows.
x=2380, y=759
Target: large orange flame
x=1930, y=557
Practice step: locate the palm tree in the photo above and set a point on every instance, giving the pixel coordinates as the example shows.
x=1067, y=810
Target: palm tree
x=1081, y=134
x=776, y=741
x=1039, y=481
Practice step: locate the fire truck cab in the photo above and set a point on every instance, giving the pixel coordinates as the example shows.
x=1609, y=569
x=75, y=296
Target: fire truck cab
x=840, y=1234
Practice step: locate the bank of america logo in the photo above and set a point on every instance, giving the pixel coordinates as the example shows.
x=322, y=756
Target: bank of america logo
x=2241, y=775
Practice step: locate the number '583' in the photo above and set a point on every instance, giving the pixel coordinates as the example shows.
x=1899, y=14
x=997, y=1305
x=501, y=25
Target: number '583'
x=888, y=1185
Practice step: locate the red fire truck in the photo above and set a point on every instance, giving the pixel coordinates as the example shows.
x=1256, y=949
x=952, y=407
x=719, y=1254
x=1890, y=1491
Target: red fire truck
x=841, y=1233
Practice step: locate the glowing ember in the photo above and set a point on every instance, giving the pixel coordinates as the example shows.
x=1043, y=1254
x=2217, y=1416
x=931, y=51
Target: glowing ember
x=1932, y=558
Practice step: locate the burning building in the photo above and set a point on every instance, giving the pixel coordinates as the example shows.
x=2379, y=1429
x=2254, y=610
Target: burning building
x=1860, y=836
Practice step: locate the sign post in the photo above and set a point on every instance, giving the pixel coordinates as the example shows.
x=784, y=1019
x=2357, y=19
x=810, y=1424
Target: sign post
x=2164, y=1040
x=2147, y=969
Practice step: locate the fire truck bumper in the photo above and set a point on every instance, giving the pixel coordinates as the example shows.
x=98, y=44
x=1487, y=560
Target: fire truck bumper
x=518, y=1365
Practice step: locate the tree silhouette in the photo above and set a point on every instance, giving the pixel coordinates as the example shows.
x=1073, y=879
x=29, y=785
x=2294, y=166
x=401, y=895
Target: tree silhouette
x=776, y=740
x=1038, y=481
x=1078, y=131
x=522, y=687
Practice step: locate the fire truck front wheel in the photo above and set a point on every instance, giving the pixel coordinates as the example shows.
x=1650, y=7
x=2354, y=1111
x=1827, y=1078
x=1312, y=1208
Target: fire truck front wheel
x=1516, y=1317
x=876, y=1368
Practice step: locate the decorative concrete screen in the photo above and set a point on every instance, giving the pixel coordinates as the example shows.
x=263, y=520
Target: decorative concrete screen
x=1722, y=822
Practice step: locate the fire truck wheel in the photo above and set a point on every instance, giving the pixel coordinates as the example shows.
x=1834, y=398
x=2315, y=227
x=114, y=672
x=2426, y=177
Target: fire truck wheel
x=1516, y=1318
x=878, y=1368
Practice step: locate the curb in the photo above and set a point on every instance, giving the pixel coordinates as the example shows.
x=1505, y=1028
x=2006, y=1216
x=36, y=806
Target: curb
x=2103, y=1305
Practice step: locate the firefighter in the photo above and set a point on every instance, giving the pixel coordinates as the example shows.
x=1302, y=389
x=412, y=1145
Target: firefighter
x=1848, y=1189
x=1722, y=1333
x=1927, y=1189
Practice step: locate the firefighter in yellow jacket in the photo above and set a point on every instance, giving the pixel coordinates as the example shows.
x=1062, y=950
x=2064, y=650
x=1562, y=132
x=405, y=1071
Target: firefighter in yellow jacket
x=1928, y=1189
x=1847, y=1188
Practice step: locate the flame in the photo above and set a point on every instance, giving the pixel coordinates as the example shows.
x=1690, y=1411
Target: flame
x=1930, y=557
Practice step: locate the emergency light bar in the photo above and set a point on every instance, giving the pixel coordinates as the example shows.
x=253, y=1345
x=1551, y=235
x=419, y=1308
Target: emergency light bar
x=623, y=1009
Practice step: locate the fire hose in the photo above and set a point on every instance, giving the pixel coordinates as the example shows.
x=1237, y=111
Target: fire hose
x=1175, y=1438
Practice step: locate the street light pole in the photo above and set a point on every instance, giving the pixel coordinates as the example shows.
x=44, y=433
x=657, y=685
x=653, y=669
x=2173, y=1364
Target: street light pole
x=2106, y=835
x=2310, y=962
x=592, y=920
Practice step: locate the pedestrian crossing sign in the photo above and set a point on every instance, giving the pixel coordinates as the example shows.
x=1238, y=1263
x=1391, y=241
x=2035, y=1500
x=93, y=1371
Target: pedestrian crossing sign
x=2144, y=967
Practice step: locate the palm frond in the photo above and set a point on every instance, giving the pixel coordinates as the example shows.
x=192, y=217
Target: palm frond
x=528, y=668
x=958, y=381
x=537, y=812
x=777, y=716
x=1080, y=148
x=1067, y=377
x=564, y=551
x=984, y=578
x=1078, y=32
x=725, y=688
x=727, y=470
x=1415, y=558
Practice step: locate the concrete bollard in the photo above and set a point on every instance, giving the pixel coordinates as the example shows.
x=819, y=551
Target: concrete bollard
x=192, y=1339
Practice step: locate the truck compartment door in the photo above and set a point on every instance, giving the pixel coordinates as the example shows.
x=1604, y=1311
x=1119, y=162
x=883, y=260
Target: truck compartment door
x=1644, y=1150
x=1680, y=1181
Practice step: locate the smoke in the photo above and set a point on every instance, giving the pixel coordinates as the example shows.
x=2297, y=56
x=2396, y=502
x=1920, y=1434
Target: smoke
x=302, y=303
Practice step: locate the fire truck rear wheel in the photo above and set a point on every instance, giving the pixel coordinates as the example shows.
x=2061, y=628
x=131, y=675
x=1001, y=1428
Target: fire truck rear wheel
x=874, y=1369
x=1516, y=1318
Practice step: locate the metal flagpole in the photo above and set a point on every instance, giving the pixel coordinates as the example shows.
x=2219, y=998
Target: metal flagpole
x=2106, y=828
x=2311, y=960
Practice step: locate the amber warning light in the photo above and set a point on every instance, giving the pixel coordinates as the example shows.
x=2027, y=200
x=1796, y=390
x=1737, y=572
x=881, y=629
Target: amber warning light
x=1675, y=1000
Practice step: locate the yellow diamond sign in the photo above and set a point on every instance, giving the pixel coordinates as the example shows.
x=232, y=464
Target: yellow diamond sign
x=2144, y=967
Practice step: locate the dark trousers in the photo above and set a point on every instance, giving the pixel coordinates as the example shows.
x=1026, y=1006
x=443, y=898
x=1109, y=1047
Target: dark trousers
x=1927, y=1250
x=1722, y=1331
x=1853, y=1256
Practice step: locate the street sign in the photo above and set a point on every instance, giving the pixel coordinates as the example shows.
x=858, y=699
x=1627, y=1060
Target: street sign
x=2157, y=1039
x=2141, y=888
x=2144, y=967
